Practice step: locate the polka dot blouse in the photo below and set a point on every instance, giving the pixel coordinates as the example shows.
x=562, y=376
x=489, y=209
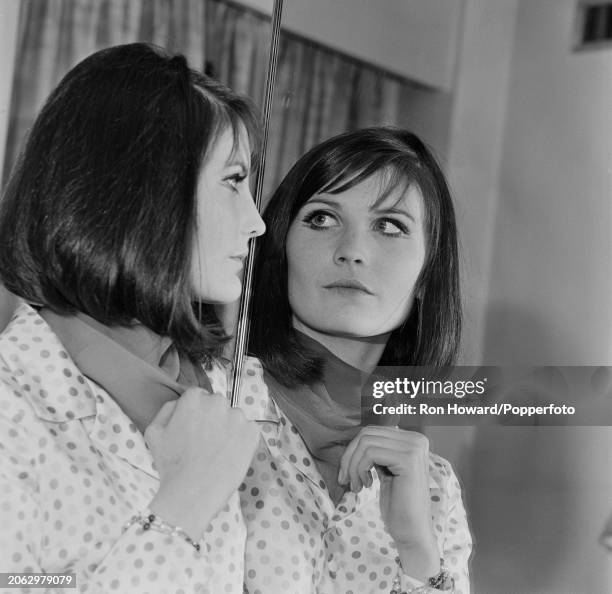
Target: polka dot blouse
x=74, y=470
x=299, y=542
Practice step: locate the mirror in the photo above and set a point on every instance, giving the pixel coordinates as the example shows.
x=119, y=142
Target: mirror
x=227, y=40
x=521, y=125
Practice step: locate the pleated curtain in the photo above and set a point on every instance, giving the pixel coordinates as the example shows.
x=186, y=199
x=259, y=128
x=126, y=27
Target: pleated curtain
x=54, y=35
x=319, y=92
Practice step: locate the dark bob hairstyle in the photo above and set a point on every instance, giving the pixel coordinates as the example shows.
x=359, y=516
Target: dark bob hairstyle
x=430, y=335
x=99, y=214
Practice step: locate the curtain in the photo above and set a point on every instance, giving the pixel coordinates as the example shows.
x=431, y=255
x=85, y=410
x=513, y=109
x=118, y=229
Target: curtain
x=319, y=92
x=229, y=41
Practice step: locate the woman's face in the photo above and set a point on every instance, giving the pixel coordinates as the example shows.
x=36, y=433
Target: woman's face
x=352, y=263
x=226, y=220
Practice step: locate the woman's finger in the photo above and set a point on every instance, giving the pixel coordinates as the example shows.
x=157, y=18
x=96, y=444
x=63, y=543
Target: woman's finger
x=372, y=455
x=404, y=438
x=366, y=477
x=351, y=457
x=394, y=455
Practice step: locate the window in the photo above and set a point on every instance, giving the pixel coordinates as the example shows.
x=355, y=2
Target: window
x=593, y=25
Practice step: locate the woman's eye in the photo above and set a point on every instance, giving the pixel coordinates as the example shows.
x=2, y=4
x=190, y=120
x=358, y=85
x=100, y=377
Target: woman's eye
x=320, y=220
x=235, y=180
x=391, y=227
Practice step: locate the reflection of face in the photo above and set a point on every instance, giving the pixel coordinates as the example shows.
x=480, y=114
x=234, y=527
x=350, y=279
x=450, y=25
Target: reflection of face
x=352, y=264
x=226, y=220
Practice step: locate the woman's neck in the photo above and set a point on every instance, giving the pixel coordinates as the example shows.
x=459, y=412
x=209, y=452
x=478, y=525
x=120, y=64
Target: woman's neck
x=363, y=353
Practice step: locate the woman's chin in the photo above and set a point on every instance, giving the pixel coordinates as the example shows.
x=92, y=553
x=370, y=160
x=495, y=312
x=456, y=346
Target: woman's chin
x=224, y=294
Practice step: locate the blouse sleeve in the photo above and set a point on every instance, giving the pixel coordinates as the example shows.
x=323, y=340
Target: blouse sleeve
x=151, y=562
x=456, y=544
x=457, y=536
x=137, y=562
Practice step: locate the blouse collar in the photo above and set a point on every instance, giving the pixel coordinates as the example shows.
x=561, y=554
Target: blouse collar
x=140, y=369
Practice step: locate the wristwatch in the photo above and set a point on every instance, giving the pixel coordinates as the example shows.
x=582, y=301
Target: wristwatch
x=441, y=582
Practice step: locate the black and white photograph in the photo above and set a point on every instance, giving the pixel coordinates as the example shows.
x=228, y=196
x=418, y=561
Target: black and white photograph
x=306, y=296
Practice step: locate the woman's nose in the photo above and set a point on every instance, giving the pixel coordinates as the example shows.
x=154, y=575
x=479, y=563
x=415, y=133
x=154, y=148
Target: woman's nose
x=351, y=248
x=253, y=223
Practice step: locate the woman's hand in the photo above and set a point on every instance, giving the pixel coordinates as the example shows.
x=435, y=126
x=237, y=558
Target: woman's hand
x=401, y=459
x=202, y=449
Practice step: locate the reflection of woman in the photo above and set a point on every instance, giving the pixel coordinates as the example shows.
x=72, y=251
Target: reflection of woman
x=129, y=210
x=358, y=268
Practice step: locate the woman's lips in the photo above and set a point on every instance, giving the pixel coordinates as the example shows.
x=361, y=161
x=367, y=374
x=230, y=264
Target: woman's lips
x=350, y=285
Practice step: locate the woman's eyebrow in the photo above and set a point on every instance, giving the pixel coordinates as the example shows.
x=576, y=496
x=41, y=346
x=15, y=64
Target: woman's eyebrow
x=394, y=210
x=327, y=201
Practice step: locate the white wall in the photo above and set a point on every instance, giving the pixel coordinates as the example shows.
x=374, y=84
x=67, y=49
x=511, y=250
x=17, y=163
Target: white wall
x=9, y=13
x=551, y=279
x=530, y=159
x=475, y=148
x=540, y=496
x=413, y=38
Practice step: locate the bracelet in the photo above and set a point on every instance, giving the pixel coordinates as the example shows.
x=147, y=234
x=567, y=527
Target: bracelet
x=149, y=521
x=442, y=581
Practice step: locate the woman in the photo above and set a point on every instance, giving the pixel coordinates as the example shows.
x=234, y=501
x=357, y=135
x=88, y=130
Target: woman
x=358, y=269
x=128, y=214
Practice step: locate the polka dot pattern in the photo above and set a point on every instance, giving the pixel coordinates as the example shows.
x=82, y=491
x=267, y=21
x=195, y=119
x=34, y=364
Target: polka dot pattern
x=74, y=470
x=298, y=542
